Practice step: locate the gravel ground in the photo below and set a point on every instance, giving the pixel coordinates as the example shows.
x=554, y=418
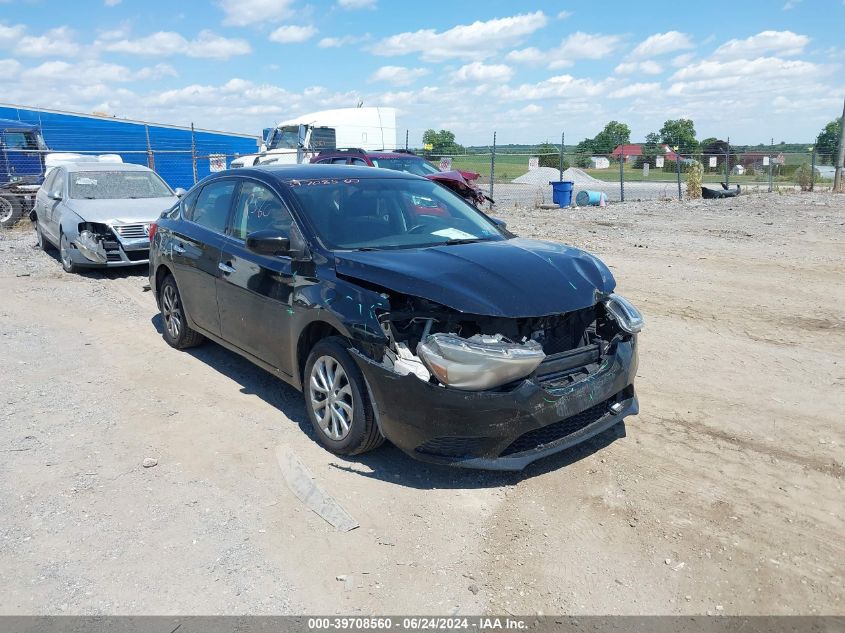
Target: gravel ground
x=723, y=496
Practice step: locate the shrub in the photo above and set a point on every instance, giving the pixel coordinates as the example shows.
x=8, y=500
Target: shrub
x=694, y=173
x=804, y=177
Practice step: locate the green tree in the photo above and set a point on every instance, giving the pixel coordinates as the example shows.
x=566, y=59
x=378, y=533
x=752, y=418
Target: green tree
x=720, y=149
x=827, y=142
x=583, y=152
x=613, y=134
x=679, y=133
x=442, y=142
x=549, y=156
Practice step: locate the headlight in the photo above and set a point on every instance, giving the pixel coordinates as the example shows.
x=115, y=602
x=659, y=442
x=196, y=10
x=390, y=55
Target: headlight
x=480, y=362
x=626, y=315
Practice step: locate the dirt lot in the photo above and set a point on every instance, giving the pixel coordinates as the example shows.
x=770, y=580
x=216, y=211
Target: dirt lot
x=723, y=496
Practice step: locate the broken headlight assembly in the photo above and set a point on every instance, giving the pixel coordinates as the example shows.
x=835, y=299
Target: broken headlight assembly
x=627, y=317
x=480, y=362
x=89, y=241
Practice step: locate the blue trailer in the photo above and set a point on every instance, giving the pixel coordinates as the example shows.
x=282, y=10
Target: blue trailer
x=180, y=154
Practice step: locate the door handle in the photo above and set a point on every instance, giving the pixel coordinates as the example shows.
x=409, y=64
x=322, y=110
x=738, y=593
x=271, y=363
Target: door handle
x=225, y=268
x=178, y=248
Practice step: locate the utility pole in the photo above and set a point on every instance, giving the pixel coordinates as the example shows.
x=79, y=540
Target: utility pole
x=728, y=165
x=406, y=140
x=840, y=161
x=151, y=161
x=771, y=160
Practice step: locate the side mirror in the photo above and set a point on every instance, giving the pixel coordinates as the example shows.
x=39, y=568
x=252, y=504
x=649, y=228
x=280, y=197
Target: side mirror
x=54, y=195
x=268, y=242
x=179, y=192
x=498, y=222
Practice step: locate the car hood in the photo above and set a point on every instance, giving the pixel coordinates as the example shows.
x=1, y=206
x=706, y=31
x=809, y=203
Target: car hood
x=510, y=278
x=121, y=211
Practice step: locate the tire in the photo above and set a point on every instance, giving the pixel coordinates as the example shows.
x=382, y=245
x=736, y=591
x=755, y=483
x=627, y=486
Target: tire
x=348, y=391
x=10, y=210
x=68, y=264
x=176, y=332
x=43, y=243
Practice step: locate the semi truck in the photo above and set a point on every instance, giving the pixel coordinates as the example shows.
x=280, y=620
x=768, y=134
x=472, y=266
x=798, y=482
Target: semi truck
x=22, y=151
x=297, y=140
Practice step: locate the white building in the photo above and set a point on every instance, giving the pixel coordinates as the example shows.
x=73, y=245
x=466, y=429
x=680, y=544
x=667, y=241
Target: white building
x=600, y=162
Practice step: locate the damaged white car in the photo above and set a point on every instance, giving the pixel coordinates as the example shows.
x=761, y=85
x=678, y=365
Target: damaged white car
x=99, y=215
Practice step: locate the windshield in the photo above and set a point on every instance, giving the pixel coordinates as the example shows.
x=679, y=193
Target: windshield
x=285, y=138
x=416, y=166
x=375, y=213
x=100, y=185
x=21, y=140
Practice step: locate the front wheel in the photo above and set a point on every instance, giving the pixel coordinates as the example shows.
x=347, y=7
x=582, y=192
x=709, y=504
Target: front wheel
x=337, y=400
x=177, y=333
x=43, y=242
x=64, y=254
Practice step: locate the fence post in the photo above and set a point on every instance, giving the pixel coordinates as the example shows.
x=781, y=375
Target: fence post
x=771, y=160
x=194, y=152
x=406, y=139
x=560, y=167
x=840, y=159
x=492, y=167
x=813, y=170
x=678, y=170
x=622, y=175
x=151, y=161
x=728, y=164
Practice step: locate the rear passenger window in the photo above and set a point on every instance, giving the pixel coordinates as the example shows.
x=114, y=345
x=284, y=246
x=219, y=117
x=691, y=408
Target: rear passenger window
x=211, y=209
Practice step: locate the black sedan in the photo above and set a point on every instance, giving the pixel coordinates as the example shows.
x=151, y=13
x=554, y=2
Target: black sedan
x=400, y=311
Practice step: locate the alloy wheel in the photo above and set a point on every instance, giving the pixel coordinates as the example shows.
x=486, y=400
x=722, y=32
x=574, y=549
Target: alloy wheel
x=6, y=210
x=331, y=397
x=171, y=311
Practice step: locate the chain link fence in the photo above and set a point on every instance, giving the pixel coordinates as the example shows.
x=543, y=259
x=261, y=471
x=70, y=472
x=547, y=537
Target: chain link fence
x=524, y=177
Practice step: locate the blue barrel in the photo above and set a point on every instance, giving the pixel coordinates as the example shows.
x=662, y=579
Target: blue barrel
x=562, y=192
x=588, y=198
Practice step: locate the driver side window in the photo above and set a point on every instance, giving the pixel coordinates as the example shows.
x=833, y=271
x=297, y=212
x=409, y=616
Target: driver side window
x=58, y=184
x=258, y=209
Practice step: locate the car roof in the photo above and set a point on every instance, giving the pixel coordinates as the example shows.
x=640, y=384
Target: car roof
x=97, y=166
x=308, y=171
x=17, y=125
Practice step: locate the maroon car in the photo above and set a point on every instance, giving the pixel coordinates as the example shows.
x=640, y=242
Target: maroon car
x=459, y=181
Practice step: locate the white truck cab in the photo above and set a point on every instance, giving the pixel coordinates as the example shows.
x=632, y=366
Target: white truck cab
x=297, y=140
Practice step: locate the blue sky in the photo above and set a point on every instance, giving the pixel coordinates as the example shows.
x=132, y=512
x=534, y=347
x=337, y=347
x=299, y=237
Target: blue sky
x=750, y=70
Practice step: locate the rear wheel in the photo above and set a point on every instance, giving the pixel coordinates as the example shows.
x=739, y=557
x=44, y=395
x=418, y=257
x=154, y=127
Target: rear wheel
x=337, y=400
x=10, y=210
x=177, y=333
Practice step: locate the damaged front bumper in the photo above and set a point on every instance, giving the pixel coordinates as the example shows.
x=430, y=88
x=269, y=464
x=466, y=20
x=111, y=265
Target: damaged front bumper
x=569, y=399
x=104, y=248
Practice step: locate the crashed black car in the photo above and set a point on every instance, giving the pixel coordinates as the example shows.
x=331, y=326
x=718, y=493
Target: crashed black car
x=400, y=311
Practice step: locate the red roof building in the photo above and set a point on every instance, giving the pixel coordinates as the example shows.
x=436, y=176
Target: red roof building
x=632, y=151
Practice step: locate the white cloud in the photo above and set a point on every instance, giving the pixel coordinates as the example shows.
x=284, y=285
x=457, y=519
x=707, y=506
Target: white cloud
x=477, y=72
x=791, y=4
x=166, y=43
x=10, y=35
x=103, y=72
x=346, y=40
x=766, y=75
x=781, y=43
x=662, y=43
x=246, y=12
x=9, y=67
x=682, y=60
x=291, y=34
x=635, y=90
x=56, y=42
x=559, y=86
x=576, y=46
x=647, y=67
x=475, y=41
x=112, y=3
x=562, y=15
x=356, y=4
x=398, y=75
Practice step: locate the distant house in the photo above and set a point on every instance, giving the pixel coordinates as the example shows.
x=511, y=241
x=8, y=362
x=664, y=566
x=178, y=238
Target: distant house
x=632, y=152
x=754, y=160
x=600, y=162
x=739, y=170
